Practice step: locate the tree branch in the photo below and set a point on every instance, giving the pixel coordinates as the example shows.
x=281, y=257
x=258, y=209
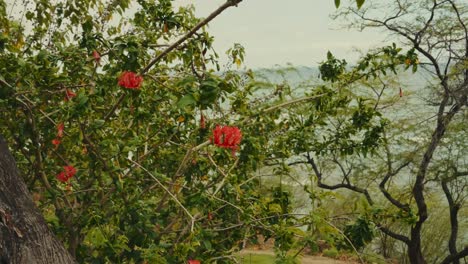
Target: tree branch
x=229, y=3
x=453, y=211
x=168, y=192
x=392, y=234
x=459, y=255
x=202, y=23
x=387, y=194
x=348, y=186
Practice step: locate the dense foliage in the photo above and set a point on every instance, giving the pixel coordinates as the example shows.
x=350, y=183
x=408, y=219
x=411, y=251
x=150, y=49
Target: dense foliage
x=115, y=155
x=139, y=147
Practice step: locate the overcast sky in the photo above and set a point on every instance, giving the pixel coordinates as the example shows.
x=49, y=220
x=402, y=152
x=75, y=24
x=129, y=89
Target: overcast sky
x=279, y=32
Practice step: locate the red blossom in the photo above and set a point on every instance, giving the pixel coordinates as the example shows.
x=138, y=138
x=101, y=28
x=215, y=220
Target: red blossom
x=69, y=94
x=67, y=174
x=96, y=56
x=62, y=177
x=130, y=80
x=60, y=128
x=193, y=261
x=56, y=142
x=401, y=92
x=227, y=137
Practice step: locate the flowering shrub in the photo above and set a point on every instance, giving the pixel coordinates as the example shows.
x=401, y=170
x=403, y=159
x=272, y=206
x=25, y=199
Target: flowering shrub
x=145, y=188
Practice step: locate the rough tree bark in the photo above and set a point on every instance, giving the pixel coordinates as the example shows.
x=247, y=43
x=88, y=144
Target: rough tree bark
x=24, y=234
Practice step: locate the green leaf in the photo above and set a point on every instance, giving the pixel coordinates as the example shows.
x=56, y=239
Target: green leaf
x=207, y=244
x=82, y=99
x=29, y=15
x=337, y=3
x=186, y=101
x=359, y=3
x=209, y=92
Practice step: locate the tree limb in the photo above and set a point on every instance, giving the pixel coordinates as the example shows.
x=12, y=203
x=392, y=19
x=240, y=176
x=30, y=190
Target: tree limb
x=453, y=211
x=459, y=255
x=202, y=23
x=229, y=3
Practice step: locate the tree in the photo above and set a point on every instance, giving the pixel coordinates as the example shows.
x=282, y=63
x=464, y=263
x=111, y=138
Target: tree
x=436, y=35
x=110, y=119
x=24, y=234
x=444, y=44
x=121, y=172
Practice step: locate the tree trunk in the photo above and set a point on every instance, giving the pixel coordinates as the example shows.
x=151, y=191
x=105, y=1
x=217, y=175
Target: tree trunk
x=24, y=234
x=414, y=248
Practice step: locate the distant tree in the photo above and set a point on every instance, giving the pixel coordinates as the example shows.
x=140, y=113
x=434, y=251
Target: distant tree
x=437, y=30
x=373, y=151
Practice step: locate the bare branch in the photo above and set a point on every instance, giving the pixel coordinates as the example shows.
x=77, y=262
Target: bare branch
x=348, y=186
x=392, y=234
x=453, y=210
x=347, y=239
x=459, y=255
x=167, y=191
x=387, y=195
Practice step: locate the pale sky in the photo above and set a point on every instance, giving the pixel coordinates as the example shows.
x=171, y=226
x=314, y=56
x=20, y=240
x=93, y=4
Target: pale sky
x=279, y=32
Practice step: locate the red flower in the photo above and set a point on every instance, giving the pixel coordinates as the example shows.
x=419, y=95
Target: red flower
x=96, y=56
x=67, y=174
x=227, y=137
x=56, y=142
x=69, y=94
x=193, y=261
x=130, y=80
x=401, y=92
x=60, y=128
x=62, y=177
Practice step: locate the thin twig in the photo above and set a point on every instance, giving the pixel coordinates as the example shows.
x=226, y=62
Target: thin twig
x=111, y=112
x=224, y=201
x=202, y=23
x=5, y=83
x=347, y=239
x=192, y=219
x=221, y=184
x=187, y=156
x=274, y=107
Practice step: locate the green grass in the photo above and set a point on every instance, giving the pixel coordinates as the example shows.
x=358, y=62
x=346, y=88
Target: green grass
x=255, y=259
